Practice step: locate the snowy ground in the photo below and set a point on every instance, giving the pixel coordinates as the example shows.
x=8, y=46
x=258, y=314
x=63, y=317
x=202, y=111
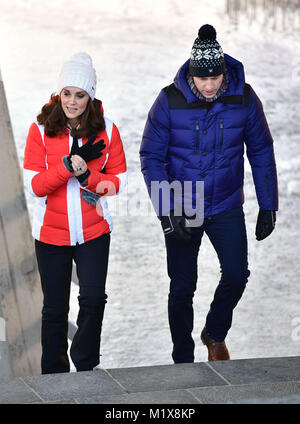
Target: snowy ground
x=137, y=47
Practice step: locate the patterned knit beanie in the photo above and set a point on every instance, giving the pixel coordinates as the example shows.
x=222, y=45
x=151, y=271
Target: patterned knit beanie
x=79, y=72
x=207, y=57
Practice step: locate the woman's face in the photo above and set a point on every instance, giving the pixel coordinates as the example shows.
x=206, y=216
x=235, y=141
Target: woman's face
x=74, y=101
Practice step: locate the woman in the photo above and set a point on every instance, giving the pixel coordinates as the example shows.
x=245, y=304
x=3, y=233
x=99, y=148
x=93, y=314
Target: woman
x=73, y=156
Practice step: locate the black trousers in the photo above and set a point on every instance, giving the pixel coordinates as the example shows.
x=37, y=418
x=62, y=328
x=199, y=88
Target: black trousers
x=55, y=267
x=227, y=233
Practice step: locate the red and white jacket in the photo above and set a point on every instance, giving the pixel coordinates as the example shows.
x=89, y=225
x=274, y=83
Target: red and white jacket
x=61, y=216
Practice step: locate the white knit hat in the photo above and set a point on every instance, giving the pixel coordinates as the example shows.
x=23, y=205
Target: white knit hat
x=79, y=72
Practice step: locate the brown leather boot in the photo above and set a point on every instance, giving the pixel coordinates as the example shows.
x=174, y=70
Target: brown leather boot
x=217, y=351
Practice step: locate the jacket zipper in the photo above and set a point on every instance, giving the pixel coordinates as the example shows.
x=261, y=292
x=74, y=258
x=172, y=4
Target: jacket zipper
x=197, y=136
x=221, y=135
x=268, y=186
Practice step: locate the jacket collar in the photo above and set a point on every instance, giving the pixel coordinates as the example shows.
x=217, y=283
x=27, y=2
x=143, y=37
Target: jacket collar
x=236, y=77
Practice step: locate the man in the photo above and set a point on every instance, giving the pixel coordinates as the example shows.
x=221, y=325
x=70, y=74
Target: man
x=196, y=131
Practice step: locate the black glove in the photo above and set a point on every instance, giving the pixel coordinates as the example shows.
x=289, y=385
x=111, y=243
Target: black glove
x=174, y=227
x=87, y=151
x=90, y=198
x=265, y=224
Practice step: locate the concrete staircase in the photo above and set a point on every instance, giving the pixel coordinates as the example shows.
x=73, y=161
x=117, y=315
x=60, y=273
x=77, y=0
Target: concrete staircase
x=254, y=381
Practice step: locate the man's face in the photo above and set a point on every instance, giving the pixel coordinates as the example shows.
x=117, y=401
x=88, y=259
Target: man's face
x=208, y=86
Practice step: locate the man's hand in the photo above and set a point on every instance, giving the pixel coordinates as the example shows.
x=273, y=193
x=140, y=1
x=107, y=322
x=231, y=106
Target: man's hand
x=174, y=227
x=265, y=224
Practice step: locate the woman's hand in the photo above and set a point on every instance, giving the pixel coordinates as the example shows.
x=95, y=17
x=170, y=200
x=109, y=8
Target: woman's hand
x=79, y=165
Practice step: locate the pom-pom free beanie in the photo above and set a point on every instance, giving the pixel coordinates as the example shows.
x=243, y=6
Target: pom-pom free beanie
x=79, y=72
x=207, y=57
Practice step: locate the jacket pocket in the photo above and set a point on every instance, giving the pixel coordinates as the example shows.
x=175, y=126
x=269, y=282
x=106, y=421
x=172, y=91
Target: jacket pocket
x=171, y=173
x=221, y=128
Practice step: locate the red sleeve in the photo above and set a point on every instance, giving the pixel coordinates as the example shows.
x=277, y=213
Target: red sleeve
x=44, y=181
x=114, y=175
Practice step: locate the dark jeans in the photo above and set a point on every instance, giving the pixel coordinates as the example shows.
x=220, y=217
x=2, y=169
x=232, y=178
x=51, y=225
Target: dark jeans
x=227, y=234
x=55, y=267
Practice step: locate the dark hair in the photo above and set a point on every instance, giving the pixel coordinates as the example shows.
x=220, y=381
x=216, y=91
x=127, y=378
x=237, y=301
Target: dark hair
x=55, y=121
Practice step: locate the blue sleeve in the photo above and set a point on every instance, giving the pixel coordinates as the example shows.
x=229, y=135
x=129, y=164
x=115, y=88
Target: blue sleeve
x=154, y=147
x=260, y=152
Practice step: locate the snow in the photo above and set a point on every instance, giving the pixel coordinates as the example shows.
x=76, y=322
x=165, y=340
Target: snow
x=293, y=187
x=137, y=48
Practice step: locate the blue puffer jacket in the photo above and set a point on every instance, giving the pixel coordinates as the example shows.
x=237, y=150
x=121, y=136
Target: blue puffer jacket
x=196, y=144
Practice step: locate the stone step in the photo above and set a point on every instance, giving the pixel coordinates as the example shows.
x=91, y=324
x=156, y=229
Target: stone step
x=258, y=380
